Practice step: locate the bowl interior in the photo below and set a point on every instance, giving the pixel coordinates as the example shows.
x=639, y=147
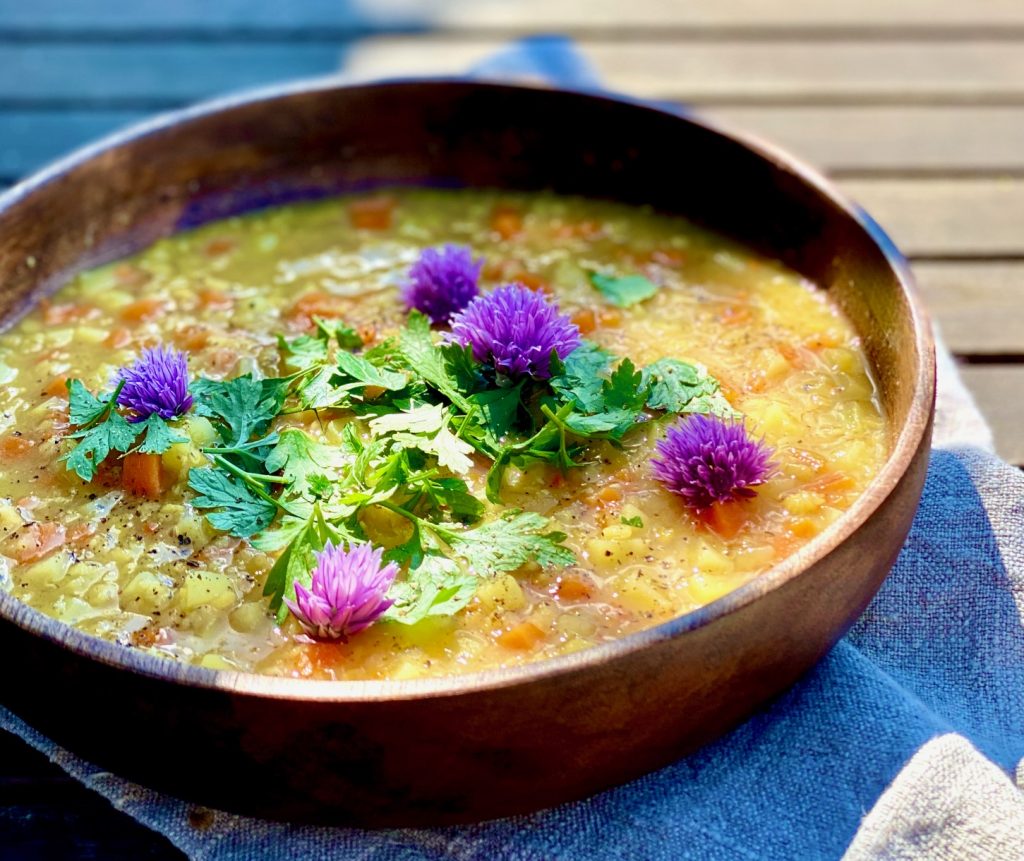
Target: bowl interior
x=320, y=138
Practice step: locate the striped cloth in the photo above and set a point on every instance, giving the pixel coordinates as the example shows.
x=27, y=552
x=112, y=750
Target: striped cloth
x=905, y=742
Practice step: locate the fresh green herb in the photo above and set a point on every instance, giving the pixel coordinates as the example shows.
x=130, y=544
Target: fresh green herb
x=636, y=521
x=624, y=291
x=240, y=408
x=242, y=509
x=159, y=435
x=679, y=387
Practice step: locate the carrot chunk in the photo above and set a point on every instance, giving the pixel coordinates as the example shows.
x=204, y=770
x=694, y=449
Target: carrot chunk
x=54, y=315
x=35, y=541
x=142, y=309
x=140, y=474
x=57, y=387
x=118, y=338
x=506, y=221
x=520, y=637
x=372, y=213
x=12, y=447
x=725, y=518
x=215, y=300
x=571, y=588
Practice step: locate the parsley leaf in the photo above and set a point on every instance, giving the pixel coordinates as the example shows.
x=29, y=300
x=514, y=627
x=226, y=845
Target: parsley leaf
x=159, y=435
x=507, y=543
x=679, y=387
x=435, y=587
x=636, y=521
x=498, y=409
x=241, y=407
x=624, y=291
x=365, y=373
x=580, y=380
x=95, y=443
x=240, y=511
x=428, y=360
x=84, y=408
x=301, y=460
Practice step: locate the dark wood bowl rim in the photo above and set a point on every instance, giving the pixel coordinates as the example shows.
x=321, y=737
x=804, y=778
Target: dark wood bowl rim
x=906, y=444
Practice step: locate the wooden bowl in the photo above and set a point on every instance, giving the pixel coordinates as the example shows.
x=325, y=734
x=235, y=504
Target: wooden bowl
x=490, y=744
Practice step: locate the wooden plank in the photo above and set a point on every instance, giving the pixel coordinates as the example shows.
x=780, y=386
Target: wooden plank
x=978, y=305
x=261, y=15
x=778, y=71
x=947, y=217
x=997, y=390
x=30, y=139
x=787, y=70
x=162, y=74
x=888, y=138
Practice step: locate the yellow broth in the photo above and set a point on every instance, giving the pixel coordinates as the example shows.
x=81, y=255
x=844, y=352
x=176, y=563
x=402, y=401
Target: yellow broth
x=153, y=574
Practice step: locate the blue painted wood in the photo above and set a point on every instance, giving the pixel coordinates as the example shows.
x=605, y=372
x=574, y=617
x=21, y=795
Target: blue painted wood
x=151, y=76
x=48, y=17
x=30, y=139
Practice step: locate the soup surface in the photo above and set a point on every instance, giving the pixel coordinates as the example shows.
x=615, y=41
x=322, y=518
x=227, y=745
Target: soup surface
x=188, y=552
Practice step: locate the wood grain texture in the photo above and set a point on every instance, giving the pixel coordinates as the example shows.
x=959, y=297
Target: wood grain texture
x=997, y=389
x=274, y=16
x=946, y=217
x=889, y=139
x=748, y=72
x=978, y=305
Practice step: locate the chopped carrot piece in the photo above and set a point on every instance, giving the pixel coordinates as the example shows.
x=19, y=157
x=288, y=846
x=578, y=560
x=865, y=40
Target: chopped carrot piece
x=318, y=304
x=192, y=338
x=57, y=387
x=367, y=333
x=726, y=518
x=12, y=447
x=506, y=221
x=520, y=637
x=79, y=533
x=532, y=281
x=371, y=393
x=118, y=338
x=585, y=320
x=141, y=474
x=572, y=588
x=609, y=493
x=832, y=482
x=35, y=541
x=804, y=528
x=142, y=309
x=372, y=213
x=215, y=300
x=54, y=315
x=220, y=245
x=131, y=276
x=784, y=544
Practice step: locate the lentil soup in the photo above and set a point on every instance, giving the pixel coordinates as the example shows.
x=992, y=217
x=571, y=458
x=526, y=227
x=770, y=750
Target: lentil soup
x=421, y=433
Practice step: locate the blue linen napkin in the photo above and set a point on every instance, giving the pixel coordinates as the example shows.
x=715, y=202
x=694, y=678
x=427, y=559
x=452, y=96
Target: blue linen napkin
x=898, y=717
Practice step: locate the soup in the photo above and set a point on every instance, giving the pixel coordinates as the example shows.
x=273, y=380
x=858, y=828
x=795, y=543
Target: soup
x=421, y=433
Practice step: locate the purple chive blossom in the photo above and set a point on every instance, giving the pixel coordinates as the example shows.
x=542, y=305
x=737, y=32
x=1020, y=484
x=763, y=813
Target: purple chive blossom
x=706, y=460
x=516, y=330
x=347, y=592
x=157, y=384
x=442, y=282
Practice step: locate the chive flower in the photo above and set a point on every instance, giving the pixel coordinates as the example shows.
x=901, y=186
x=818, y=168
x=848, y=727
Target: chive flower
x=347, y=593
x=705, y=459
x=157, y=384
x=442, y=282
x=516, y=330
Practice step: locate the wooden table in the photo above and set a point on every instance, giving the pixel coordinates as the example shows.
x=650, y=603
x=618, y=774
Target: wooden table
x=915, y=106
